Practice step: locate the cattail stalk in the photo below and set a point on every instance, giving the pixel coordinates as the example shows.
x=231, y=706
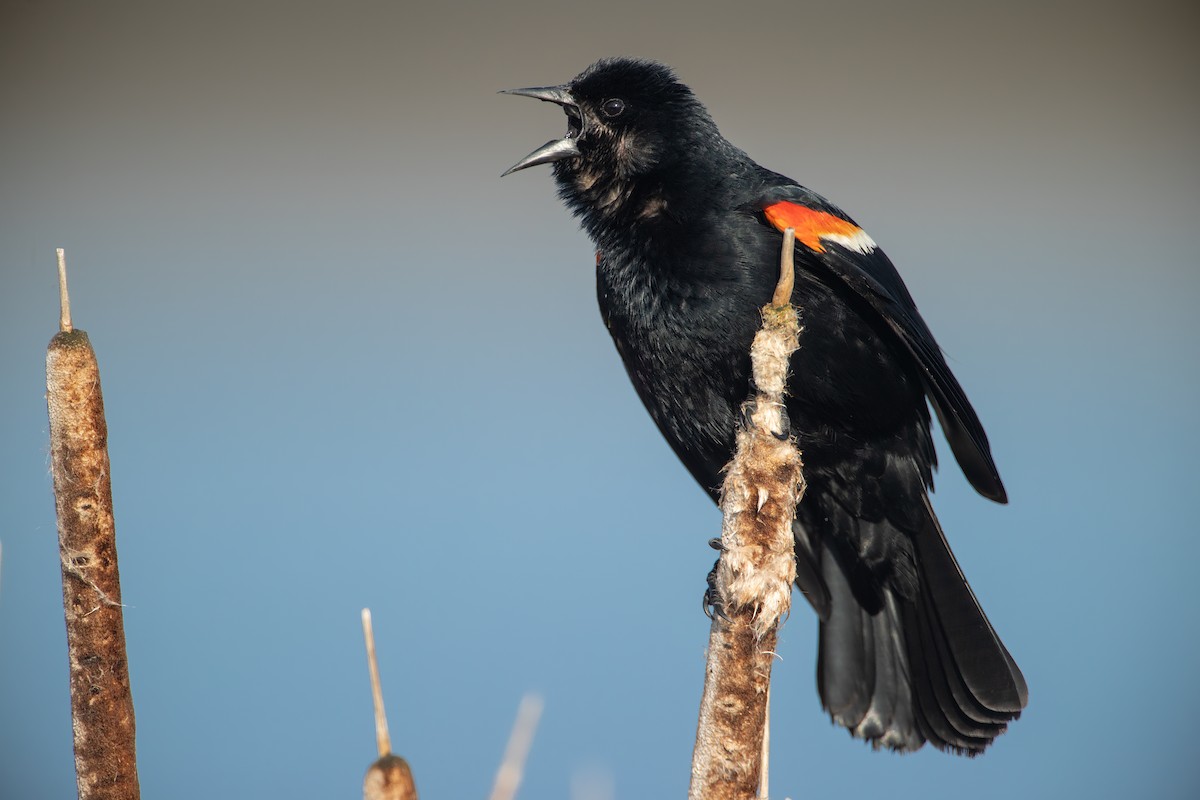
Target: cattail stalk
x=101, y=701
x=512, y=768
x=754, y=575
x=389, y=777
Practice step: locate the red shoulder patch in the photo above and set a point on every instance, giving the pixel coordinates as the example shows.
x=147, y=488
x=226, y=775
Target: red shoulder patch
x=813, y=226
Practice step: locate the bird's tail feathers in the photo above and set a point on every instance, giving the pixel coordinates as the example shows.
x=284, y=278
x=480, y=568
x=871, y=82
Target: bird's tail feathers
x=930, y=668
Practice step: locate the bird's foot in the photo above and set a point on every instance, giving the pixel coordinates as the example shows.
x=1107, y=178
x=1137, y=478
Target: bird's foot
x=712, y=597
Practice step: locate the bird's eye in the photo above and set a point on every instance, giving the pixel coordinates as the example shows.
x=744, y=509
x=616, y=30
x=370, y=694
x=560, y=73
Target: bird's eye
x=613, y=108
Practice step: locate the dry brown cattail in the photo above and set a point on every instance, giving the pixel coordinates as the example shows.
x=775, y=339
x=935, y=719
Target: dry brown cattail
x=101, y=700
x=390, y=777
x=753, y=579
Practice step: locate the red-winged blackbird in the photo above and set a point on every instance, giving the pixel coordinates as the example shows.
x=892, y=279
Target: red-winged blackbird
x=688, y=230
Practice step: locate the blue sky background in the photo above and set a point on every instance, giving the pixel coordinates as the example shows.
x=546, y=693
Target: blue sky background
x=346, y=365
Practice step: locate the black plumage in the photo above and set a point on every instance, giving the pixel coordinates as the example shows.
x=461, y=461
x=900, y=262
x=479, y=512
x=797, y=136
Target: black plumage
x=687, y=230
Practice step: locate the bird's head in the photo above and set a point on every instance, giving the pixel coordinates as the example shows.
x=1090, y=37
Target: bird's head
x=626, y=119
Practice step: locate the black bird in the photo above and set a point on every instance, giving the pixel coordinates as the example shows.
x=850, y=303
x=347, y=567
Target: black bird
x=688, y=230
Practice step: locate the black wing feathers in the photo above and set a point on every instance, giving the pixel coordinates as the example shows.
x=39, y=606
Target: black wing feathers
x=872, y=277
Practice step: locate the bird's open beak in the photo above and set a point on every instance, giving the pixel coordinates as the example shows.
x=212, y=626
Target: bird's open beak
x=557, y=149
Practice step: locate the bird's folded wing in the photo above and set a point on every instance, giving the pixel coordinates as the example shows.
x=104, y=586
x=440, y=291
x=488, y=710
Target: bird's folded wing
x=838, y=244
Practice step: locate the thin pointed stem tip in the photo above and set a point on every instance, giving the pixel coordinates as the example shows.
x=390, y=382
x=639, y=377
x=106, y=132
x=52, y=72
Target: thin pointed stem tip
x=64, y=299
x=382, y=738
x=787, y=269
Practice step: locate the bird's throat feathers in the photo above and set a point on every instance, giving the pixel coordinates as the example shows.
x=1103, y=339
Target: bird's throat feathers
x=639, y=183
x=607, y=201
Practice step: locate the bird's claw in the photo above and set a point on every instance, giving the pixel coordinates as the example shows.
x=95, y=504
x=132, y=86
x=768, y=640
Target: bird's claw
x=711, y=602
